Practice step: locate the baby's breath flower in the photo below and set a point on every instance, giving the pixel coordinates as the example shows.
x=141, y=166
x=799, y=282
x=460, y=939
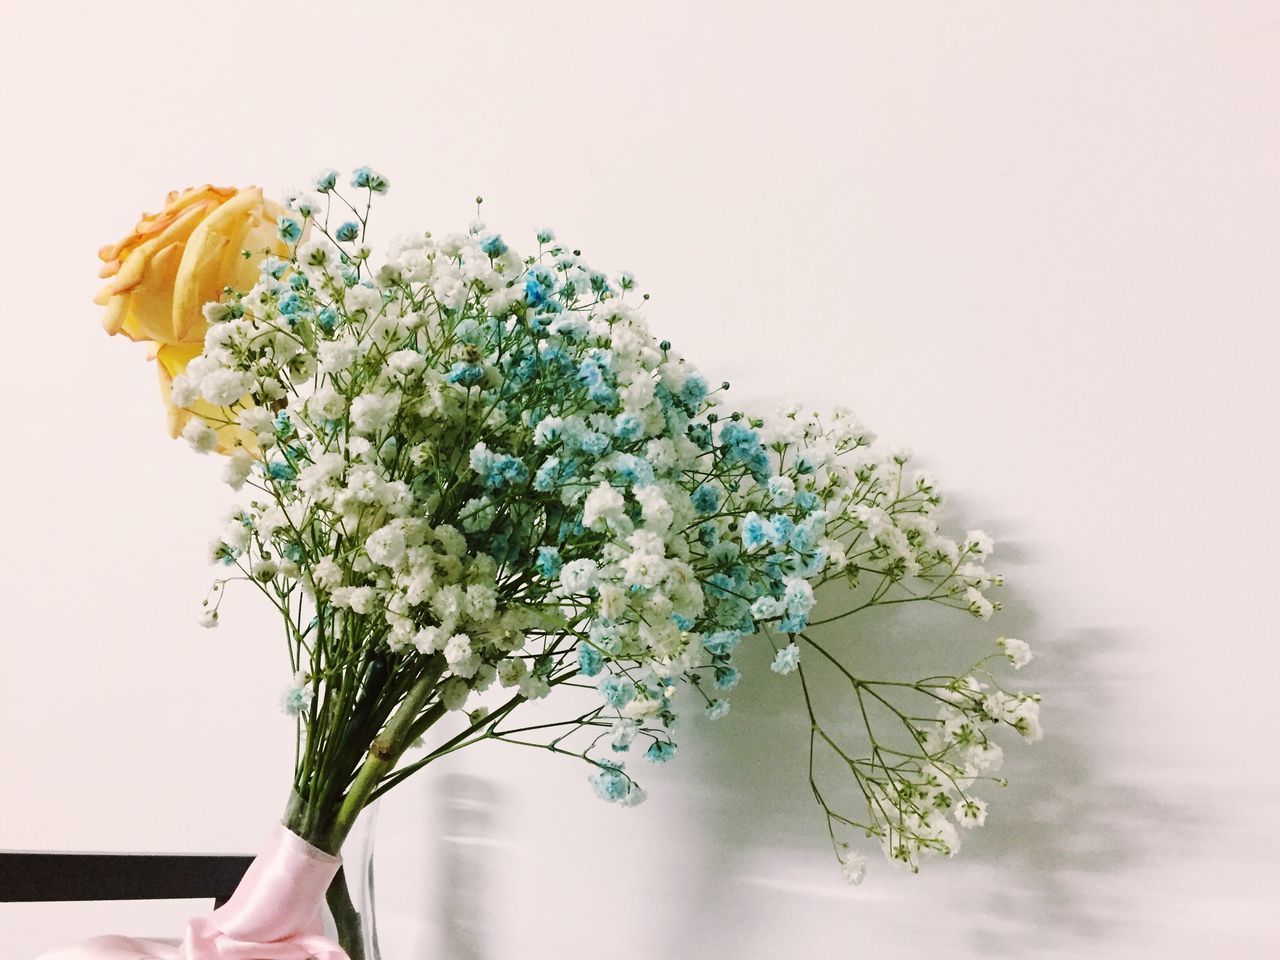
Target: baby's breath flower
x=786, y=660
x=853, y=867
x=297, y=696
x=200, y=435
x=1018, y=652
x=476, y=468
x=365, y=178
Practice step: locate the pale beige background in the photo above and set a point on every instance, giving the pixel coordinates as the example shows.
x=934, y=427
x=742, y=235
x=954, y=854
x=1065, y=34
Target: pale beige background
x=1037, y=241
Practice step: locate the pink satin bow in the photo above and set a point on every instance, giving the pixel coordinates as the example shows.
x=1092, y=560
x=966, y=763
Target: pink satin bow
x=273, y=915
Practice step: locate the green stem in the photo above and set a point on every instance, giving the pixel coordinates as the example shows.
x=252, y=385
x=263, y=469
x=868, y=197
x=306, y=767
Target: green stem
x=383, y=754
x=345, y=918
x=446, y=747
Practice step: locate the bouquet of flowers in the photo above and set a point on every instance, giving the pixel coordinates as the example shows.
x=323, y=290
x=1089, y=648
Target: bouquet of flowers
x=471, y=476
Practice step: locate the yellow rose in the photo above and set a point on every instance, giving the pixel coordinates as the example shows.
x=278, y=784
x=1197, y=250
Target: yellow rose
x=171, y=265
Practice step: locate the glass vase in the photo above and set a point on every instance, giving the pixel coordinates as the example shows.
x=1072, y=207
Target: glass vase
x=359, y=936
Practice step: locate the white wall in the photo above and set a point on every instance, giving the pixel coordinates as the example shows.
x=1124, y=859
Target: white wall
x=1036, y=241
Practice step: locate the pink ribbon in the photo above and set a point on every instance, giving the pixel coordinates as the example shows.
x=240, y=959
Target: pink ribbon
x=275, y=914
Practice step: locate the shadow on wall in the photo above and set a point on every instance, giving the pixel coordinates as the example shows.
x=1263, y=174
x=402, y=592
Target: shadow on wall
x=1040, y=877
x=1070, y=829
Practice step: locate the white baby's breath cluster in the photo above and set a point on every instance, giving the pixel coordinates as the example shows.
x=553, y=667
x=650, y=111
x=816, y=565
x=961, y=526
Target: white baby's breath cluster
x=473, y=469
